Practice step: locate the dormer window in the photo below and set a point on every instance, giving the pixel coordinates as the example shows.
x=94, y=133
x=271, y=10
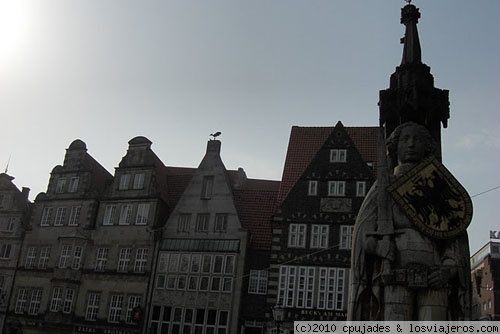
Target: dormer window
x=73, y=184
x=337, y=155
x=138, y=181
x=61, y=184
x=206, y=188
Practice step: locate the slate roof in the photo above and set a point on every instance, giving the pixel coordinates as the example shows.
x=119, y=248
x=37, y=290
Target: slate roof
x=305, y=142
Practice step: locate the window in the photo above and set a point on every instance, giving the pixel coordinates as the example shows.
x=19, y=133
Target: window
x=221, y=222
x=141, y=259
x=30, y=258
x=64, y=259
x=61, y=184
x=74, y=216
x=336, y=188
x=184, y=263
x=229, y=264
x=124, y=259
x=101, y=259
x=133, y=302
x=11, y=223
x=68, y=300
x=138, y=181
x=195, y=263
x=297, y=235
x=44, y=257
x=313, y=188
x=257, y=283
x=360, y=188
x=57, y=298
x=124, y=181
x=60, y=215
x=115, y=308
x=92, y=306
x=319, y=236
x=142, y=214
x=77, y=258
x=109, y=214
x=46, y=216
x=202, y=221
x=22, y=298
x=331, y=288
x=5, y=250
x=312, y=287
x=125, y=214
x=183, y=222
x=337, y=155
x=305, y=285
x=188, y=320
x=160, y=281
x=346, y=236
x=207, y=187
x=36, y=298
x=73, y=184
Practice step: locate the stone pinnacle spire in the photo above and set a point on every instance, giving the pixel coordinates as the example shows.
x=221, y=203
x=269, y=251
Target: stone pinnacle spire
x=411, y=95
x=411, y=51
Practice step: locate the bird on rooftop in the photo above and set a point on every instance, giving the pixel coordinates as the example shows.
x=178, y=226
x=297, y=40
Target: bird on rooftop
x=216, y=134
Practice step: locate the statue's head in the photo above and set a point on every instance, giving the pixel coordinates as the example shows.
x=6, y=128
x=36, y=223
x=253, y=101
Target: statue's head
x=410, y=143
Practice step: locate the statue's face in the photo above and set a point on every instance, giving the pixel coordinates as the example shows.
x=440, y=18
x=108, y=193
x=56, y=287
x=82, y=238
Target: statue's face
x=411, y=146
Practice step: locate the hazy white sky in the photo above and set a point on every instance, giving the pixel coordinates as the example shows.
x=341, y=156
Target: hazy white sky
x=176, y=70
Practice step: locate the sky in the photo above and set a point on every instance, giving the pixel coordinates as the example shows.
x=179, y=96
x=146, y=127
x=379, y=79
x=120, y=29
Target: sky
x=175, y=71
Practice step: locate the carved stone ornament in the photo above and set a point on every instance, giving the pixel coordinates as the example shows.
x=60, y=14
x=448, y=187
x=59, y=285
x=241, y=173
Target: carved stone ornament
x=433, y=199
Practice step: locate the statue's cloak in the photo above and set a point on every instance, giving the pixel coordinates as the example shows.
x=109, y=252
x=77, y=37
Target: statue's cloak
x=366, y=291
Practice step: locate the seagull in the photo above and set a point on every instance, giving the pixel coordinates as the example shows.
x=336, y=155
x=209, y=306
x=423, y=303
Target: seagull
x=215, y=135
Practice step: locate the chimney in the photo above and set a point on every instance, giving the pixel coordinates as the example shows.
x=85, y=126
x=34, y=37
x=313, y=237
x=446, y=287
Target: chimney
x=213, y=147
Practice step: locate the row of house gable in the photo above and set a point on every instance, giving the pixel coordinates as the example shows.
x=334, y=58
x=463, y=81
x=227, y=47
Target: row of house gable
x=162, y=249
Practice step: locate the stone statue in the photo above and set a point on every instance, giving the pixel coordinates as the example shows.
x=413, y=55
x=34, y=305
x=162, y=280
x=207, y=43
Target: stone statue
x=404, y=274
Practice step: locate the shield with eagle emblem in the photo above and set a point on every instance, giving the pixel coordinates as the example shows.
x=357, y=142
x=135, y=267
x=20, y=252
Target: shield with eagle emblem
x=433, y=200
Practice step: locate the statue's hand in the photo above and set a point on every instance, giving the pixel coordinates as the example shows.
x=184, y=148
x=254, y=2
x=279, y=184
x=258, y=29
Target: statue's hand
x=440, y=278
x=386, y=249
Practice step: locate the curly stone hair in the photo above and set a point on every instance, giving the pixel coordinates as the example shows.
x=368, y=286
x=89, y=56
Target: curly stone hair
x=393, y=140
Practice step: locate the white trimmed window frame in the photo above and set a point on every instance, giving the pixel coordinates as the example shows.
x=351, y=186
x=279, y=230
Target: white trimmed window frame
x=338, y=155
x=336, y=188
x=297, y=235
x=319, y=236
x=312, y=189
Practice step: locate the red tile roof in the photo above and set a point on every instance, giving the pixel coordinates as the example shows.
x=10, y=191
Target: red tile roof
x=256, y=208
x=256, y=200
x=305, y=142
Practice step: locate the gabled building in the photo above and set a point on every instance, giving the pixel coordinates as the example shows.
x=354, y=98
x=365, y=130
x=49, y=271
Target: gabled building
x=119, y=264
x=201, y=257
x=327, y=172
x=14, y=213
x=48, y=290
